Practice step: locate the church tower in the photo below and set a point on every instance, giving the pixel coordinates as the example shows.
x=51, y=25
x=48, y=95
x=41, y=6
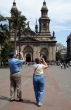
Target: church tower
x=44, y=19
x=40, y=43
x=13, y=33
x=14, y=8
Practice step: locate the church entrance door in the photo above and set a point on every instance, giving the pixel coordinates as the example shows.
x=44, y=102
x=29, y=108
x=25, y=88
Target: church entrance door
x=28, y=53
x=28, y=58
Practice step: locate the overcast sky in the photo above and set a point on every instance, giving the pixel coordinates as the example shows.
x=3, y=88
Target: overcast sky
x=59, y=14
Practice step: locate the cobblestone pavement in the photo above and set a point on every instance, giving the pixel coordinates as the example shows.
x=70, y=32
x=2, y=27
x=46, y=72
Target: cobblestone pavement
x=57, y=90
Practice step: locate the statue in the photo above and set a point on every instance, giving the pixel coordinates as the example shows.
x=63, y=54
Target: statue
x=53, y=34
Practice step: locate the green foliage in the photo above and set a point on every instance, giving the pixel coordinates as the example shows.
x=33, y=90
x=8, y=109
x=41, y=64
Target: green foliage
x=17, y=23
x=2, y=18
x=17, y=20
x=4, y=32
x=58, y=56
x=4, y=54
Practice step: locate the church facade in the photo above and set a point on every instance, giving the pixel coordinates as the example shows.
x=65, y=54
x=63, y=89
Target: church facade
x=41, y=42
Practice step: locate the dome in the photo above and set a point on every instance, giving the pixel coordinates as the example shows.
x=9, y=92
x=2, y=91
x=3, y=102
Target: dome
x=44, y=7
x=14, y=6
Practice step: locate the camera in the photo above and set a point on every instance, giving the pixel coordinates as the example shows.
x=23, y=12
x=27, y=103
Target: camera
x=42, y=60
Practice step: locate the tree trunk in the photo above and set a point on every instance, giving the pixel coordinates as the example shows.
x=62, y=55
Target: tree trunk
x=19, y=43
x=15, y=39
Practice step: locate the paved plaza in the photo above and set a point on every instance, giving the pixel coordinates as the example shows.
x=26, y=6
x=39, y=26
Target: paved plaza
x=57, y=90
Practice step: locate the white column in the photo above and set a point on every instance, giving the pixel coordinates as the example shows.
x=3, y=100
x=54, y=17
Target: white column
x=54, y=53
x=36, y=52
x=50, y=53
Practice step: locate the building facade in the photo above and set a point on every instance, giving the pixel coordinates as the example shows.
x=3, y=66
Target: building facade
x=62, y=49
x=69, y=47
x=40, y=42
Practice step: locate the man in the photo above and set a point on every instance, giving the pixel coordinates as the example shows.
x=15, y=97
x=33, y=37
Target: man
x=15, y=75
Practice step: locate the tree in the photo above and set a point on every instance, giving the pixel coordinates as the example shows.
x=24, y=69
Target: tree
x=58, y=56
x=4, y=39
x=2, y=18
x=17, y=22
x=2, y=36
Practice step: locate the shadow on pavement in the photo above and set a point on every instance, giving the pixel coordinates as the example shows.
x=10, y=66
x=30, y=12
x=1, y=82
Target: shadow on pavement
x=23, y=101
x=27, y=101
x=4, y=98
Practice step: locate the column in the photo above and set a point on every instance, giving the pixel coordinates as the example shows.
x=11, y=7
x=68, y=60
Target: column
x=50, y=53
x=36, y=52
x=54, y=53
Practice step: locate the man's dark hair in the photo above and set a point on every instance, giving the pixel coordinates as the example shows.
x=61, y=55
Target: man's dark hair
x=11, y=55
x=12, y=52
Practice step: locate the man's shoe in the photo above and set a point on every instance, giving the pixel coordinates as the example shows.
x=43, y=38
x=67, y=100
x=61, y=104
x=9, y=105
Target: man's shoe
x=20, y=100
x=11, y=100
x=40, y=104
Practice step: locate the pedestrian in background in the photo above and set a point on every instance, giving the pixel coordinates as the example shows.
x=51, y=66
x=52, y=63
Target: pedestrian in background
x=38, y=80
x=61, y=64
x=15, y=75
x=64, y=65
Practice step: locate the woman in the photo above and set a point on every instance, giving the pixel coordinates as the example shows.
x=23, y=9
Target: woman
x=38, y=80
